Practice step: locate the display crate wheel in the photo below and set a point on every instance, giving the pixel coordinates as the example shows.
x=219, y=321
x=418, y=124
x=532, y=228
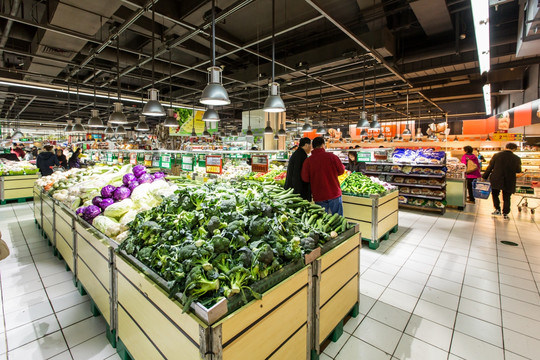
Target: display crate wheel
x=373, y=245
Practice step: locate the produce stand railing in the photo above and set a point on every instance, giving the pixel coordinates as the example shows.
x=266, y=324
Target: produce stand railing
x=307, y=305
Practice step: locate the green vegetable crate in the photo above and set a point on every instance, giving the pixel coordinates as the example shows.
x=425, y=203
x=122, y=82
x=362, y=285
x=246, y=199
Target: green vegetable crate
x=377, y=215
x=306, y=305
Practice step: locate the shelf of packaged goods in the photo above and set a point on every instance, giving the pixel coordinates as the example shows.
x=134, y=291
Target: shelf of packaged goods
x=402, y=174
x=422, y=207
x=423, y=196
x=406, y=164
x=439, y=187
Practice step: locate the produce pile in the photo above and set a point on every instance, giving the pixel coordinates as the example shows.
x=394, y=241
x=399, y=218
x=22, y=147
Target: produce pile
x=215, y=240
x=359, y=184
x=8, y=167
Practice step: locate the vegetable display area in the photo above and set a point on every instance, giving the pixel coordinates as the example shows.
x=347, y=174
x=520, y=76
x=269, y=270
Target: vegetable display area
x=373, y=204
x=216, y=266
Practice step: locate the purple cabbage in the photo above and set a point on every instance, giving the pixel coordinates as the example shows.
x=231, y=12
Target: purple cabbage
x=145, y=178
x=121, y=193
x=91, y=211
x=108, y=191
x=128, y=178
x=139, y=170
x=132, y=185
x=159, y=175
x=80, y=210
x=97, y=200
x=106, y=202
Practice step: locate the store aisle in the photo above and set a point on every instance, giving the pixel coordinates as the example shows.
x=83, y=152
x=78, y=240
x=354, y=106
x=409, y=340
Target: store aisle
x=43, y=315
x=443, y=287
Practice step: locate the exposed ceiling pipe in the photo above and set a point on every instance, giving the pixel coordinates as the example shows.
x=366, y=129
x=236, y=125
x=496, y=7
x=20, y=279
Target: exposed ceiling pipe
x=12, y=105
x=7, y=29
x=27, y=105
x=365, y=46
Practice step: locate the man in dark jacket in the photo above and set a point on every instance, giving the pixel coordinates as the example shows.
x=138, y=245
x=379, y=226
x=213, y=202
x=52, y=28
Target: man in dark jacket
x=294, y=170
x=501, y=172
x=46, y=160
x=321, y=170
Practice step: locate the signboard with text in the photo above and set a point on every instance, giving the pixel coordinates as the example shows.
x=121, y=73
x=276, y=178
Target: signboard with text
x=214, y=164
x=187, y=162
x=259, y=163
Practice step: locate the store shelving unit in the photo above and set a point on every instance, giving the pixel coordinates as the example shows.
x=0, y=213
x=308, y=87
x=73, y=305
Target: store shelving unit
x=530, y=160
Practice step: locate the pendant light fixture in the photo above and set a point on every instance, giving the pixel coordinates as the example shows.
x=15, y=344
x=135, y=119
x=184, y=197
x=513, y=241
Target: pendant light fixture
x=307, y=126
x=276, y=137
x=170, y=120
x=456, y=138
x=234, y=132
x=407, y=131
x=268, y=129
x=205, y=132
x=374, y=121
x=117, y=116
x=210, y=114
x=153, y=107
x=419, y=134
x=95, y=121
x=120, y=130
x=249, y=132
x=69, y=127
x=348, y=132
x=193, y=133
x=214, y=93
x=273, y=102
x=108, y=130
x=78, y=128
x=142, y=125
x=363, y=123
x=321, y=130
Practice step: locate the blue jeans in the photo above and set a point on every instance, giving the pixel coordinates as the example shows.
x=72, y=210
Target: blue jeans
x=332, y=206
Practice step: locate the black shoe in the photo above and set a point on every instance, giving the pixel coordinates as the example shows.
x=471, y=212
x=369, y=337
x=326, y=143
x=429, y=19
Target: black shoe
x=506, y=217
x=496, y=212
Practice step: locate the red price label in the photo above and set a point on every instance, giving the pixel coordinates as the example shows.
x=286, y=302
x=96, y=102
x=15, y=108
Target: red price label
x=259, y=163
x=214, y=164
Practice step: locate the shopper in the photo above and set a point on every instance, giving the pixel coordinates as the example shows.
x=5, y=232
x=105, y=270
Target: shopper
x=74, y=161
x=472, y=171
x=46, y=160
x=354, y=165
x=62, y=159
x=294, y=170
x=501, y=172
x=321, y=171
x=17, y=150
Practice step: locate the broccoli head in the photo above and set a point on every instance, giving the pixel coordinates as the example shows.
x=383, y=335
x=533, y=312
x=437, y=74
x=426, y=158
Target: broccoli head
x=258, y=226
x=220, y=243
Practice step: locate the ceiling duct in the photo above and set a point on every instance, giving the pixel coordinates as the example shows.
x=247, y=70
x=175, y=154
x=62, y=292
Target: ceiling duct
x=84, y=17
x=528, y=42
x=433, y=15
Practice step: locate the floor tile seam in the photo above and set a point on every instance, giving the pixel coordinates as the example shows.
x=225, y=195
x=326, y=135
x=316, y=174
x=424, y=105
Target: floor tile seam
x=527, y=257
x=520, y=333
x=100, y=334
x=36, y=339
x=376, y=347
x=420, y=295
x=47, y=294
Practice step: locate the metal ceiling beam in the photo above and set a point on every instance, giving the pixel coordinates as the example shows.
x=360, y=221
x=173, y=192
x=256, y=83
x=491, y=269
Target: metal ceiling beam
x=365, y=46
x=26, y=106
x=7, y=29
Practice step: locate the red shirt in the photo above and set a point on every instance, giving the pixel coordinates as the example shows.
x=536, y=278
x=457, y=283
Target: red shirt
x=321, y=170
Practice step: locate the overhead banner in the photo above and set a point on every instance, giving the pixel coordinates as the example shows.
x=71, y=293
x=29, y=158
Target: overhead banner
x=186, y=123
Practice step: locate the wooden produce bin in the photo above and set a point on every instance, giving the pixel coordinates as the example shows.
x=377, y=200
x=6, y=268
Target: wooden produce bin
x=275, y=327
x=65, y=234
x=47, y=209
x=17, y=187
x=336, y=294
x=94, y=272
x=37, y=205
x=377, y=215
x=456, y=192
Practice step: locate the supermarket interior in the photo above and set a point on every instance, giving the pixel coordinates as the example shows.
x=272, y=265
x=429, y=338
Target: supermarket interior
x=338, y=179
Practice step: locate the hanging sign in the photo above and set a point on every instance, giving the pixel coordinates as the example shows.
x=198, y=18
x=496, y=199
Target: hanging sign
x=155, y=160
x=507, y=137
x=133, y=158
x=282, y=155
x=140, y=158
x=121, y=158
x=187, y=162
x=259, y=163
x=214, y=164
x=147, y=160
x=109, y=157
x=202, y=160
x=363, y=156
x=165, y=161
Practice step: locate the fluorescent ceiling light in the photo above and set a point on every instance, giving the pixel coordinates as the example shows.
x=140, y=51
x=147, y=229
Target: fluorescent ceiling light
x=480, y=10
x=487, y=98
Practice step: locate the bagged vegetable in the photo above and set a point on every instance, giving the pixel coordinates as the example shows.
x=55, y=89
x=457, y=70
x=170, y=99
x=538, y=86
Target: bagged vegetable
x=108, y=226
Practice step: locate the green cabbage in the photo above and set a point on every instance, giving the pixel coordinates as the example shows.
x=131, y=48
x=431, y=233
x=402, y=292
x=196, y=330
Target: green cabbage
x=108, y=226
x=118, y=209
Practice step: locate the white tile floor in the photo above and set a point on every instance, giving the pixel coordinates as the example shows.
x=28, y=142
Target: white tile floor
x=442, y=287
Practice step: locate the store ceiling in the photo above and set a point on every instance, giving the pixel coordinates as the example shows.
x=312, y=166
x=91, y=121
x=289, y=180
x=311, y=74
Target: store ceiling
x=425, y=48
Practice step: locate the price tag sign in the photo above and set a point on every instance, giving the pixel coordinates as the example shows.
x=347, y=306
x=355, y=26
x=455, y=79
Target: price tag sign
x=109, y=157
x=363, y=156
x=507, y=137
x=214, y=164
x=259, y=163
x=147, y=160
x=187, y=162
x=120, y=158
x=155, y=160
x=282, y=155
x=165, y=161
x=202, y=160
x=133, y=158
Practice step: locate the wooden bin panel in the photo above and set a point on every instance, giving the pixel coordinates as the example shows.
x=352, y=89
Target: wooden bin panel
x=99, y=245
x=333, y=278
x=47, y=227
x=37, y=204
x=65, y=249
x=387, y=208
x=14, y=184
x=338, y=307
x=275, y=329
x=359, y=200
x=88, y=253
x=294, y=347
x=154, y=317
x=339, y=251
x=18, y=193
x=356, y=212
x=98, y=291
x=387, y=224
x=63, y=228
x=365, y=229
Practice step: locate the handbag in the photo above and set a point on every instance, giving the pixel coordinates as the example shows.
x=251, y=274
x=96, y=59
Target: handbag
x=471, y=166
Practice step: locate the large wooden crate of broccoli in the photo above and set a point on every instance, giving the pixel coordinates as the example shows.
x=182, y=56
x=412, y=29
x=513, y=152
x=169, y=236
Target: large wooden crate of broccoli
x=377, y=215
x=37, y=204
x=335, y=289
x=256, y=330
x=94, y=269
x=65, y=234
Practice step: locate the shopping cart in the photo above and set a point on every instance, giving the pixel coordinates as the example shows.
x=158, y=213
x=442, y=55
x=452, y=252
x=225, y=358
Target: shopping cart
x=528, y=187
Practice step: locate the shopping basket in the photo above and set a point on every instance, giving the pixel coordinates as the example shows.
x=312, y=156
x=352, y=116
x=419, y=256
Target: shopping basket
x=481, y=189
